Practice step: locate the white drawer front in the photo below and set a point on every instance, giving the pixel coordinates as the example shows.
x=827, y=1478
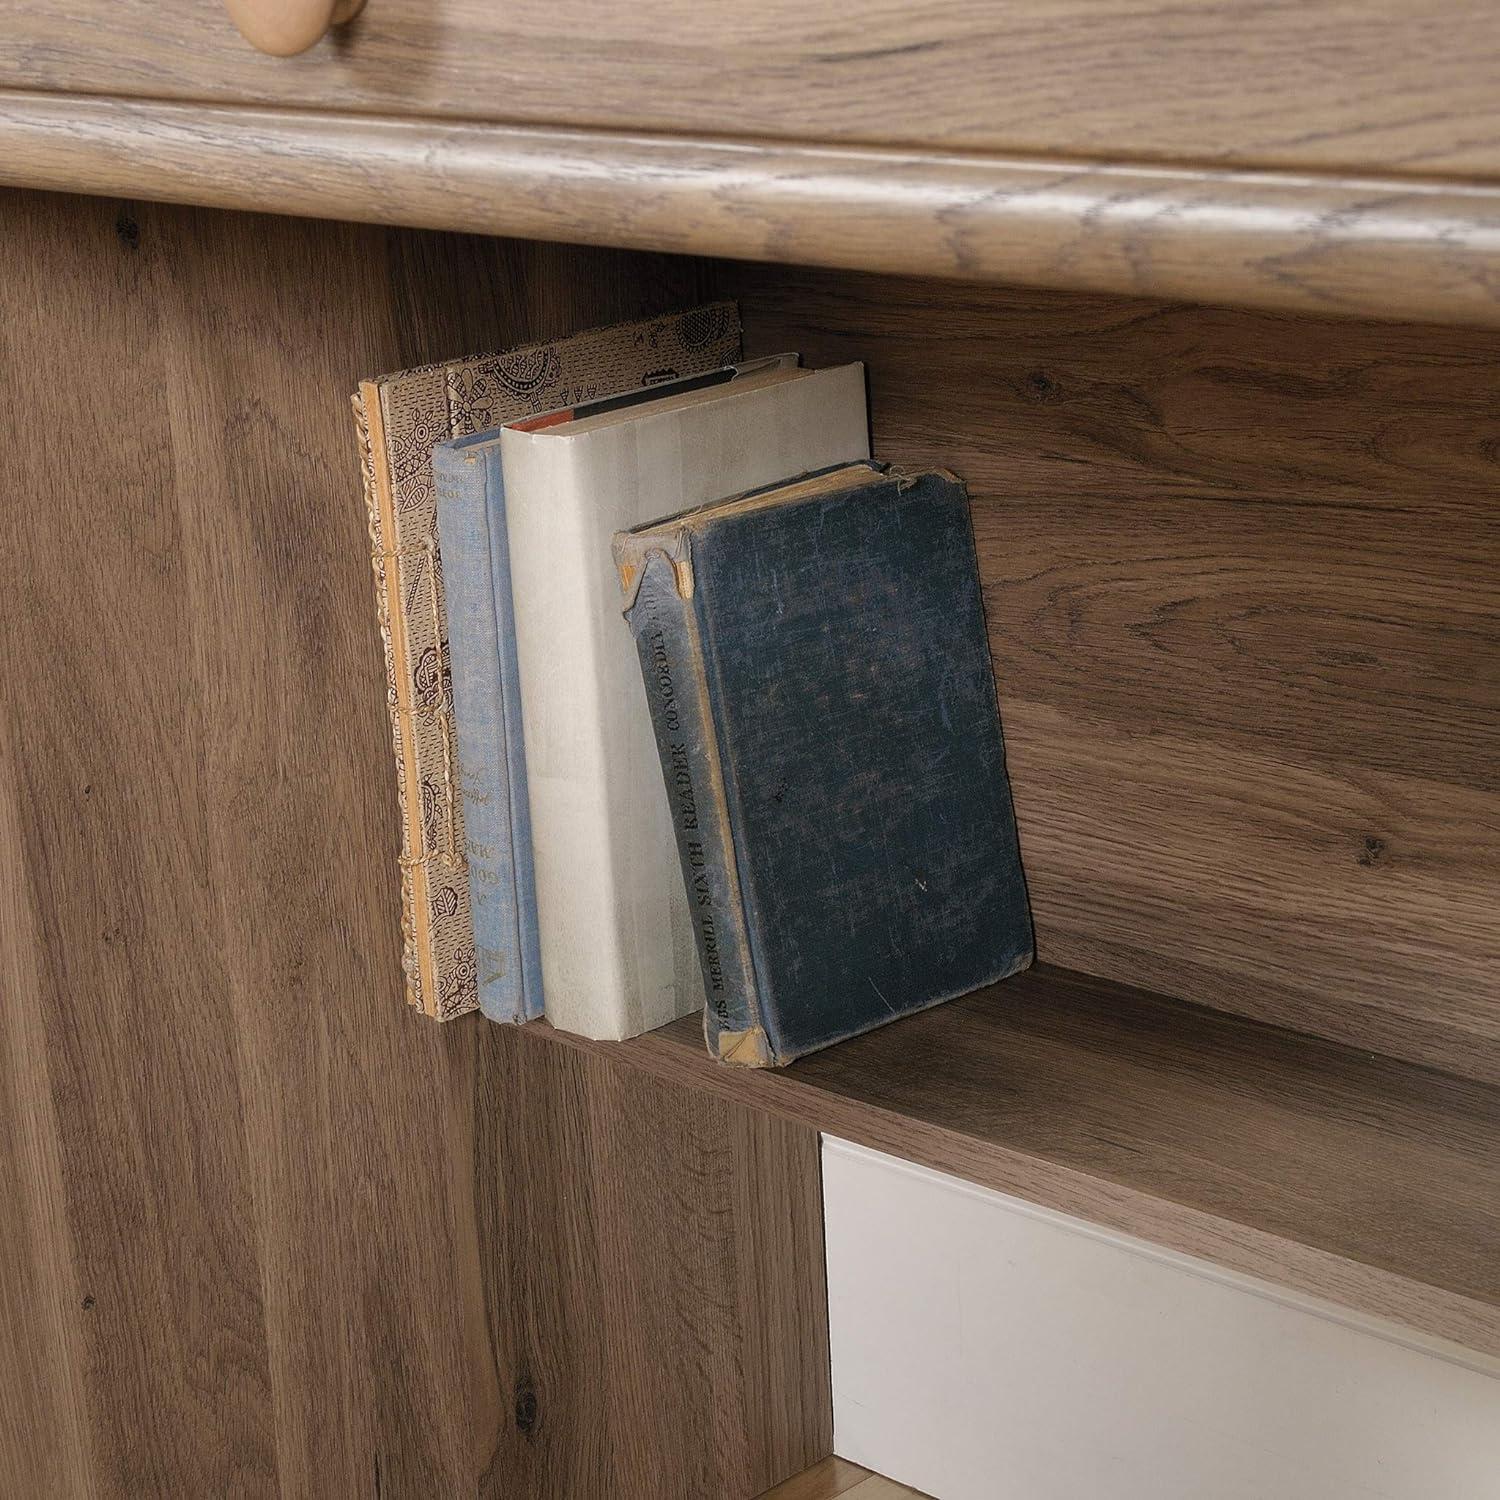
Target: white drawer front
x=984, y=1349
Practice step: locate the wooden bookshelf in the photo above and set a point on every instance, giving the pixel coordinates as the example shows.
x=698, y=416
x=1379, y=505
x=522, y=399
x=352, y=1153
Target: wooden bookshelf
x=1207, y=321
x=1328, y=1171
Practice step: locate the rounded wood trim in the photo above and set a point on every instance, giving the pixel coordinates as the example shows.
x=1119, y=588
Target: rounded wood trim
x=1351, y=86
x=1403, y=249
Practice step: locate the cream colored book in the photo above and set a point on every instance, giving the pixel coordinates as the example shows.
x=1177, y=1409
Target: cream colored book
x=617, y=942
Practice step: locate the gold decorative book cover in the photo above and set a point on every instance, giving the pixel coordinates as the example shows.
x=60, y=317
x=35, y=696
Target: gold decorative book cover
x=400, y=418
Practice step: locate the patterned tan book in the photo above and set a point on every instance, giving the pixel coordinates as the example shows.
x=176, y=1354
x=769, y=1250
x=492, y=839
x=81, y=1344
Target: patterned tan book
x=399, y=419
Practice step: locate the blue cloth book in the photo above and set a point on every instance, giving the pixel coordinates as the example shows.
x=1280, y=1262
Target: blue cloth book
x=820, y=683
x=487, y=709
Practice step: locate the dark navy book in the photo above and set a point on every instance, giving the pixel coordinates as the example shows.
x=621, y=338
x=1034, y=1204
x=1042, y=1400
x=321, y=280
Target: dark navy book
x=819, y=678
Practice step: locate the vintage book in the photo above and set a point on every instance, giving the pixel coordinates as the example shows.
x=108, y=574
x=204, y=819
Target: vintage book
x=616, y=935
x=399, y=419
x=825, y=715
x=487, y=723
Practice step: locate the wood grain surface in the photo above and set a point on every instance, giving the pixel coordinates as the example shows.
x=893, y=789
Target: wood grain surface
x=1327, y=245
x=838, y=1479
x=1358, y=1180
x=263, y=1232
x=1344, y=85
x=1240, y=577
x=823, y=1481
x=662, y=1314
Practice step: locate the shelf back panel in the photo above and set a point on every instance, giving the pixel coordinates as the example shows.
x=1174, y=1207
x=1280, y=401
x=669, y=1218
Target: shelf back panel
x=1241, y=585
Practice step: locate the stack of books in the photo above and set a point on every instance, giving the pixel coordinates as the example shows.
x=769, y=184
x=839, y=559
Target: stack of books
x=775, y=789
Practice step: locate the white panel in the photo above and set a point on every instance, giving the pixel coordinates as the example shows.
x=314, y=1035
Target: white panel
x=985, y=1349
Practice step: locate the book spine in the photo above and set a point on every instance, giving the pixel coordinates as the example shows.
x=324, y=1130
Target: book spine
x=522, y=862
x=669, y=640
x=483, y=764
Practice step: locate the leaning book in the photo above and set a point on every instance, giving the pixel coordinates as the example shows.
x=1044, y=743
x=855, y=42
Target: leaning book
x=815, y=661
x=400, y=418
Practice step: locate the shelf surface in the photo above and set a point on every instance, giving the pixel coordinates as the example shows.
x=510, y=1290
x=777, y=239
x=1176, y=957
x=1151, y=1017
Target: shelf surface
x=1368, y=1182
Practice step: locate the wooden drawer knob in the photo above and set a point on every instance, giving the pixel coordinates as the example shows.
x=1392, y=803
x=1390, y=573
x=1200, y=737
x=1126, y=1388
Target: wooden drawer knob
x=285, y=27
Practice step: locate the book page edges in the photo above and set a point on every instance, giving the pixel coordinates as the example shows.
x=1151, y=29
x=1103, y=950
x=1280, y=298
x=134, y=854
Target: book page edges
x=417, y=958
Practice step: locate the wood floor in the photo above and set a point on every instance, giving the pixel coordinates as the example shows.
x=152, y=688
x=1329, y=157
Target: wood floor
x=838, y=1479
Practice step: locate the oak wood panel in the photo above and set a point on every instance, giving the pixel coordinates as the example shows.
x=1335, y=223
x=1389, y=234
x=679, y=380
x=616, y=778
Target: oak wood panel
x=1361, y=85
x=1340, y=901
x=158, y=1177
x=1357, y=1179
x=44, y=1436
x=265, y=1232
x=1311, y=243
x=1240, y=578
x=662, y=1326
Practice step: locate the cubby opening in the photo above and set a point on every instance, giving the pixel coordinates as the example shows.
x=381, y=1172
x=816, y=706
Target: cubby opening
x=1245, y=621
